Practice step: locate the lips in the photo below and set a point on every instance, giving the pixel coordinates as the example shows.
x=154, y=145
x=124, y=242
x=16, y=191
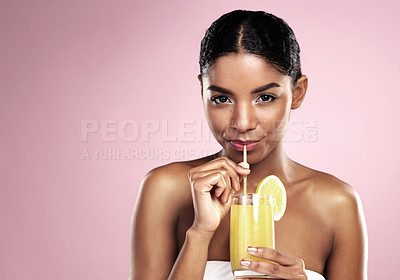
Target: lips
x=239, y=144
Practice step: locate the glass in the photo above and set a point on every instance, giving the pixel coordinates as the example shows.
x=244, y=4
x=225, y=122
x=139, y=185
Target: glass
x=252, y=224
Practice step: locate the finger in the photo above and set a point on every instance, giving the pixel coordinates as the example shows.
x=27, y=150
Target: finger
x=236, y=171
x=223, y=187
x=274, y=269
x=224, y=162
x=233, y=169
x=215, y=163
x=227, y=192
x=244, y=165
x=232, y=177
x=269, y=278
x=241, y=169
x=204, y=173
x=226, y=180
x=205, y=184
x=273, y=255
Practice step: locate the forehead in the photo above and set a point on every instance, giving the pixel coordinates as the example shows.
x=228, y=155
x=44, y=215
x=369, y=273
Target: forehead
x=243, y=71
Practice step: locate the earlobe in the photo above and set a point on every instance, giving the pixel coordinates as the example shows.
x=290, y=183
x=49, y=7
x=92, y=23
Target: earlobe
x=299, y=92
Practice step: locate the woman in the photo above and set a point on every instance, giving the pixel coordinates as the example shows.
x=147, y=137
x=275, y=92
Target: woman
x=250, y=81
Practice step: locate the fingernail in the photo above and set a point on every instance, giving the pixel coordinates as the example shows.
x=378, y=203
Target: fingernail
x=252, y=249
x=244, y=165
x=246, y=169
x=245, y=263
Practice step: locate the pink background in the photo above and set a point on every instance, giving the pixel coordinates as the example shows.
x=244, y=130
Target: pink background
x=131, y=69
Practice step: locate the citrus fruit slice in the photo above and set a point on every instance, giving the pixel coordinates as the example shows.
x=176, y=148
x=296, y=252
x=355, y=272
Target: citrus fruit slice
x=273, y=189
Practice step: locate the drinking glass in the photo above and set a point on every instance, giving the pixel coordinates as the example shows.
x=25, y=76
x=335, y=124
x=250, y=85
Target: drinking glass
x=252, y=224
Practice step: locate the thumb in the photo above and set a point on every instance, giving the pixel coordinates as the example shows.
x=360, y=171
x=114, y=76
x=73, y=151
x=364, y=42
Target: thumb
x=246, y=168
x=244, y=164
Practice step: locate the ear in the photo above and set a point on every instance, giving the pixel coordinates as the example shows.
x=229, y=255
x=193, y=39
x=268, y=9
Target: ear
x=201, y=83
x=299, y=92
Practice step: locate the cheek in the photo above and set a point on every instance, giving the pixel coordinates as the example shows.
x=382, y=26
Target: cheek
x=275, y=120
x=218, y=120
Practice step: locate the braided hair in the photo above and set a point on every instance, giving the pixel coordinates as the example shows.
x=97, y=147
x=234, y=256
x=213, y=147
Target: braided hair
x=252, y=32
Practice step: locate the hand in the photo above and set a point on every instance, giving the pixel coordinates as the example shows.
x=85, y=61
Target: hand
x=277, y=264
x=212, y=184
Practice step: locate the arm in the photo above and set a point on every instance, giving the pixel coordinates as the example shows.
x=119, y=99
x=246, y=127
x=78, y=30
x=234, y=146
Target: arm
x=154, y=220
x=192, y=258
x=222, y=176
x=348, y=259
x=154, y=242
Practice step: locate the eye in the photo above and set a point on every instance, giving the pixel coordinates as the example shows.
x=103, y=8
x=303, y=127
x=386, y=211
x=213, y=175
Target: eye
x=266, y=98
x=220, y=99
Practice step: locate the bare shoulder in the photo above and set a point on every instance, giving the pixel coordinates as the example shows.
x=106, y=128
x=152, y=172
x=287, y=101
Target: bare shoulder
x=333, y=191
x=333, y=198
x=339, y=212
x=169, y=182
x=163, y=194
x=323, y=186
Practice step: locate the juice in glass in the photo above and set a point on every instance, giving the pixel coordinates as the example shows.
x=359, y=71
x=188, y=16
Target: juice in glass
x=252, y=224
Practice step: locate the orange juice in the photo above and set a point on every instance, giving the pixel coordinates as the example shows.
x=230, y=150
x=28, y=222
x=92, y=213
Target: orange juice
x=252, y=224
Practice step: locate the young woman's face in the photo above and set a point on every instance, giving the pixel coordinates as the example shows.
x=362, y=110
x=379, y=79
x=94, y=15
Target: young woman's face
x=247, y=102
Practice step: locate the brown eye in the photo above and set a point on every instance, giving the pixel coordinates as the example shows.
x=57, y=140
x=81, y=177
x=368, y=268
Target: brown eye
x=266, y=98
x=220, y=99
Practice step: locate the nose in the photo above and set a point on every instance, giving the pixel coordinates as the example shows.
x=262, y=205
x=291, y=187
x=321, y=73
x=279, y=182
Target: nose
x=243, y=118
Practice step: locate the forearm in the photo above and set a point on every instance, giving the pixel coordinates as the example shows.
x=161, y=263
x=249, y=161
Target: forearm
x=192, y=258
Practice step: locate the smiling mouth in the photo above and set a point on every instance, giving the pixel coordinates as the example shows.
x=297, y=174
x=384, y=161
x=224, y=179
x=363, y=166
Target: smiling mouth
x=239, y=144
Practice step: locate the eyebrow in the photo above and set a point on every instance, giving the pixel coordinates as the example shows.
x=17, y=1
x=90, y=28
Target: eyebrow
x=265, y=87
x=257, y=90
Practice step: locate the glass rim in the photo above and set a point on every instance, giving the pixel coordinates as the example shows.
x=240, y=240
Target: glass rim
x=245, y=199
x=247, y=194
x=250, y=199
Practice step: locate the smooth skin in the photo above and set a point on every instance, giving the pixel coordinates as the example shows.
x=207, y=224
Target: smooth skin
x=181, y=218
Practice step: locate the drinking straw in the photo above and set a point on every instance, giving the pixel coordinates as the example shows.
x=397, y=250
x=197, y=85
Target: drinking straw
x=245, y=164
